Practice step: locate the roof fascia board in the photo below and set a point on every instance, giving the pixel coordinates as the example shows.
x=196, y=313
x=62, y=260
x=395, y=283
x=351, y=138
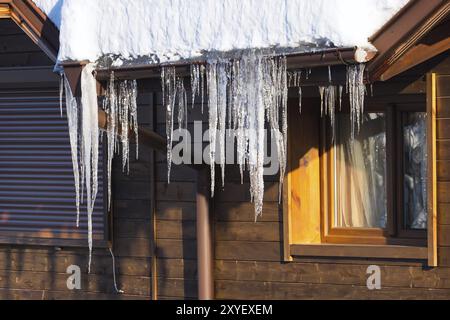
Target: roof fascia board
x=404, y=31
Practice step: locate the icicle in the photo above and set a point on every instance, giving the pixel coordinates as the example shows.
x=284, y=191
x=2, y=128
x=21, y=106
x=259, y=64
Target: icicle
x=222, y=83
x=168, y=76
x=300, y=94
x=329, y=74
x=134, y=114
x=61, y=93
x=72, y=119
x=202, y=84
x=182, y=107
x=90, y=134
x=341, y=89
x=195, y=82
x=211, y=74
x=356, y=91
x=322, y=95
x=111, y=110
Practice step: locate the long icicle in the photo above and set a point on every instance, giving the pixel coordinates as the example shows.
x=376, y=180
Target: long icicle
x=72, y=119
x=90, y=136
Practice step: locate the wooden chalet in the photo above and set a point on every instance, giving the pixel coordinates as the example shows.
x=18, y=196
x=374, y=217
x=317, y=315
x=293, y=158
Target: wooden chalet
x=172, y=241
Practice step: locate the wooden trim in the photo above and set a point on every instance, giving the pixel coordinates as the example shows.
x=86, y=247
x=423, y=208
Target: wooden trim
x=360, y=251
x=418, y=54
x=5, y=11
x=404, y=31
x=287, y=232
x=432, y=173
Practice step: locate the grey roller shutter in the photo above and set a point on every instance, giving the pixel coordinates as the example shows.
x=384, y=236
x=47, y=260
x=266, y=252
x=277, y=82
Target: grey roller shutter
x=37, y=194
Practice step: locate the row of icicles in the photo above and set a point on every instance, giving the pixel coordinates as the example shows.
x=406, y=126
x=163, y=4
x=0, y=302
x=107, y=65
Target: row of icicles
x=242, y=94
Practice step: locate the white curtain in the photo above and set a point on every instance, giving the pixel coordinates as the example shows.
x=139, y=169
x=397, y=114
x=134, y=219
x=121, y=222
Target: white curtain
x=360, y=173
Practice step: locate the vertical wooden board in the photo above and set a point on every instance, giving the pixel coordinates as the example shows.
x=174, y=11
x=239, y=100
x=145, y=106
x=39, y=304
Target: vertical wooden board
x=432, y=172
x=304, y=175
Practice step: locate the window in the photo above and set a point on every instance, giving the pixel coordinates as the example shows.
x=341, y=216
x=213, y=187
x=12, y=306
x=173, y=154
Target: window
x=363, y=198
x=378, y=180
x=37, y=194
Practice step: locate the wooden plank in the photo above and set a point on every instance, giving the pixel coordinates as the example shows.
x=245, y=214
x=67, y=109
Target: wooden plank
x=177, y=268
x=359, y=251
x=182, y=230
x=443, y=170
x=58, y=281
x=133, y=247
x=245, y=212
x=248, y=250
x=436, y=128
x=176, y=249
x=132, y=209
x=443, y=129
x=226, y=289
x=444, y=213
x=444, y=235
x=329, y=273
x=248, y=231
x=443, y=150
x=443, y=107
x=177, y=191
x=443, y=192
x=136, y=228
x=58, y=263
x=180, y=288
x=442, y=87
x=170, y=210
x=236, y=192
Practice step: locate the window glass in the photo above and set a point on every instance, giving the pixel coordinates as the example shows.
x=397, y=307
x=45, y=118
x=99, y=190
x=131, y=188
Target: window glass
x=360, y=173
x=414, y=170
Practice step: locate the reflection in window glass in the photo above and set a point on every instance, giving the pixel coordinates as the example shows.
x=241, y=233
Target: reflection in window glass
x=415, y=170
x=360, y=173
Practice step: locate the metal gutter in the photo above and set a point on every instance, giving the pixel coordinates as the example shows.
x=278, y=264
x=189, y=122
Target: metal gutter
x=326, y=57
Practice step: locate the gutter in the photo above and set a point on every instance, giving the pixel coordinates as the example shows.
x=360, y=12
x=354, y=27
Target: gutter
x=326, y=57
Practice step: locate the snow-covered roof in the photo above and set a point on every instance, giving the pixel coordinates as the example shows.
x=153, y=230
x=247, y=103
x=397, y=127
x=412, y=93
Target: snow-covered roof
x=166, y=30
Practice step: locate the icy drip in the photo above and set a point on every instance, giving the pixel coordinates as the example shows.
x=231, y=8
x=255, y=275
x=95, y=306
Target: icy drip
x=356, y=91
x=72, y=119
x=248, y=91
x=61, y=93
x=89, y=149
x=168, y=76
x=211, y=76
x=294, y=80
x=120, y=106
x=175, y=95
x=328, y=96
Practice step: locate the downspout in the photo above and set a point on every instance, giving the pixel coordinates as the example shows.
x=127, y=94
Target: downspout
x=205, y=257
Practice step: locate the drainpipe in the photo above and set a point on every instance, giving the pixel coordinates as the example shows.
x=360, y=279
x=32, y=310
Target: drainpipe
x=205, y=262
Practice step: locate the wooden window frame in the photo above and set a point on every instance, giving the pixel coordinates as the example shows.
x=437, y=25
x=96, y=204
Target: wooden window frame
x=394, y=233
x=305, y=239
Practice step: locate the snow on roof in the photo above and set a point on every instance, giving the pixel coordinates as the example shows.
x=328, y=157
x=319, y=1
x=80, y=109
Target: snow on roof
x=161, y=30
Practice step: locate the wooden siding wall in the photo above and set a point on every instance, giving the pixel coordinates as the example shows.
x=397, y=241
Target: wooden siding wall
x=443, y=166
x=17, y=49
